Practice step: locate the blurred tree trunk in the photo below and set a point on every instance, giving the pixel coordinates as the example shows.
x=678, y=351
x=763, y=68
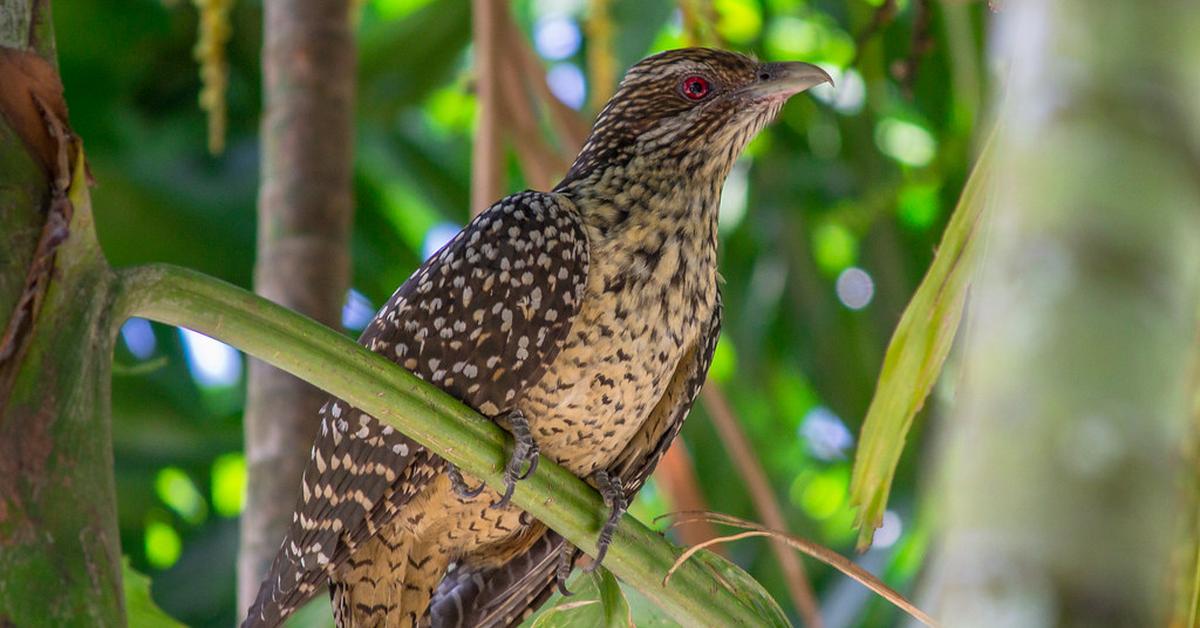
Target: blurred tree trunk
x=305, y=210
x=60, y=557
x=1064, y=462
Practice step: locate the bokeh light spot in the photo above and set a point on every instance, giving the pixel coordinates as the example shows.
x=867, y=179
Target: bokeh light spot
x=792, y=38
x=738, y=21
x=834, y=247
x=396, y=9
x=724, y=361
x=451, y=110
x=139, y=337
x=825, y=494
x=229, y=484
x=437, y=236
x=855, y=288
x=918, y=206
x=567, y=83
x=906, y=142
x=827, y=436
x=734, y=196
x=556, y=37
x=848, y=93
x=212, y=363
x=177, y=491
x=813, y=37
x=357, y=311
x=889, y=531
x=163, y=544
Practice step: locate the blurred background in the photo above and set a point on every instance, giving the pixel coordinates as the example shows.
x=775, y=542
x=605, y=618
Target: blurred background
x=827, y=225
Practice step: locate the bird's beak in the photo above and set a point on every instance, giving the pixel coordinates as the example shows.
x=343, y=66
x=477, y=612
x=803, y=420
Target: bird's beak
x=783, y=80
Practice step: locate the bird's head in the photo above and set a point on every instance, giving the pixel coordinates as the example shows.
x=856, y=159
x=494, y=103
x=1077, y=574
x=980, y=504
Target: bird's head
x=687, y=112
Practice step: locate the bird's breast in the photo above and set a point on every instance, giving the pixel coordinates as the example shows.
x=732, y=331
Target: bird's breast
x=648, y=295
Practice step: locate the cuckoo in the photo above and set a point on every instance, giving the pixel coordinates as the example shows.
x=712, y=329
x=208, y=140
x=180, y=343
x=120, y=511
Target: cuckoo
x=582, y=320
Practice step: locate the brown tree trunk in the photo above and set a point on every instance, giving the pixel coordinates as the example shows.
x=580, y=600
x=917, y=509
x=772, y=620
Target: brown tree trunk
x=1064, y=460
x=60, y=555
x=305, y=209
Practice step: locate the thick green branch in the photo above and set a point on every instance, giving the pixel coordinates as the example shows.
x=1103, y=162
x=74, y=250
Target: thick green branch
x=331, y=361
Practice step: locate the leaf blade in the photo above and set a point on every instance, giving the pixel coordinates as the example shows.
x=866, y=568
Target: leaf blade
x=916, y=353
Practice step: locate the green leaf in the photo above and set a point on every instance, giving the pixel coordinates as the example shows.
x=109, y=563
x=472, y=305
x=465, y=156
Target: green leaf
x=140, y=609
x=645, y=613
x=597, y=601
x=733, y=579
x=915, y=355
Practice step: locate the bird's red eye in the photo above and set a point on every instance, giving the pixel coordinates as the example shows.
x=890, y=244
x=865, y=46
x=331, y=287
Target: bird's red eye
x=694, y=87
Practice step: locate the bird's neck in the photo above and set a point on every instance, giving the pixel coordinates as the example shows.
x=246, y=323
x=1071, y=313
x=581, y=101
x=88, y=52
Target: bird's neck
x=644, y=194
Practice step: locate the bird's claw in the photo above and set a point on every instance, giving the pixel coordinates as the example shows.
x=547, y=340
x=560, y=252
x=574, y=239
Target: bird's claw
x=613, y=492
x=566, y=561
x=460, y=485
x=525, y=450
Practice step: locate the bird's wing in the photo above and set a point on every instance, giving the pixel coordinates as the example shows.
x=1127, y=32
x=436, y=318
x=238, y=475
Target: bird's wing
x=504, y=596
x=482, y=319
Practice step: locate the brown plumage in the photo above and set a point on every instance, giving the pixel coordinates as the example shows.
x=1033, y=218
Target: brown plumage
x=582, y=319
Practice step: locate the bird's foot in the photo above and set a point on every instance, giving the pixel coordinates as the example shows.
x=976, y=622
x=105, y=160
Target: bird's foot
x=525, y=450
x=566, y=562
x=613, y=492
x=460, y=485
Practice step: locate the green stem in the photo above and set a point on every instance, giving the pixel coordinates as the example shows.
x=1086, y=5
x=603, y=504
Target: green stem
x=331, y=361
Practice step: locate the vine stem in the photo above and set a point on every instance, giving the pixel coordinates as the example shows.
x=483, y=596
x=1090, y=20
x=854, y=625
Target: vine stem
x=333, y=362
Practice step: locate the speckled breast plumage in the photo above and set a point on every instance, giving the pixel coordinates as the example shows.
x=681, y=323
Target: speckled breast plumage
x=650, y=293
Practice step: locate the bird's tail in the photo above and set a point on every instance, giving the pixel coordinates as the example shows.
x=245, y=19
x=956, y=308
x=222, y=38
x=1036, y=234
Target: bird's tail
x=388, y=582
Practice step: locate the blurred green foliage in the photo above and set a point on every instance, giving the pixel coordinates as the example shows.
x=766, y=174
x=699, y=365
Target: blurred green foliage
x=857, y=177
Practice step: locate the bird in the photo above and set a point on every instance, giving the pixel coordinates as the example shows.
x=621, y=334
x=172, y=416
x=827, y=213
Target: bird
x=582, y=320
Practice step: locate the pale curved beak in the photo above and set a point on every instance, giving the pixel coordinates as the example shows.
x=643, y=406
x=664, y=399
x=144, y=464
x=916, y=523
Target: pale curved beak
x=785, y=79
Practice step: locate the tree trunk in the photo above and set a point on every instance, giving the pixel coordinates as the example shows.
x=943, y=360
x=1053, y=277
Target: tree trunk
x=305, y=210
x=1065, y=457
x=60, y=556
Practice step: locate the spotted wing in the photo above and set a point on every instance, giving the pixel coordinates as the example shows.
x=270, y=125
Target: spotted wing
x=504, y=596
x=482, y=319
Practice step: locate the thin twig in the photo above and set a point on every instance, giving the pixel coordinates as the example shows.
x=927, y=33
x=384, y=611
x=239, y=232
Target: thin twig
x=691, y=23
x=698, y=19
x=922, y=42
x=539, y=161
x=571, y=128
x=680, y=517
x=815, y=550
x=601, y=61
x=882, y=16
x=486, y=172
x=744, y=458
